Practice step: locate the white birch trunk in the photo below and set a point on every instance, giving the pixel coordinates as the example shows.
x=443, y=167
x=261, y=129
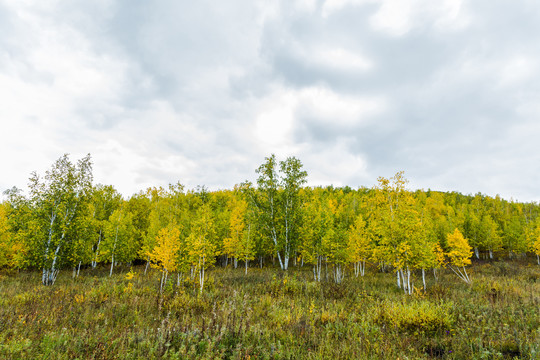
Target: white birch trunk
x=114, y=248
x=94, y=262
x=146, y=267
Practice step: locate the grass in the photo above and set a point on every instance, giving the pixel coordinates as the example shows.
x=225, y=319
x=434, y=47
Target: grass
x=269, y=314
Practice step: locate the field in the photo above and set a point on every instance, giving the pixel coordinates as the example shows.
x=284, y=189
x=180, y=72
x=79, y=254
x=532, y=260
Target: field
x=269, y=314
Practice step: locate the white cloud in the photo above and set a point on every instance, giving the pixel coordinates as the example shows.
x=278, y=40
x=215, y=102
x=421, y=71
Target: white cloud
x=322, y=103
x=341, y=59
x=398, y=17
x=517, y=70
x=201, y=92
x=331, y=6
x=280, y=112
x=335, y=165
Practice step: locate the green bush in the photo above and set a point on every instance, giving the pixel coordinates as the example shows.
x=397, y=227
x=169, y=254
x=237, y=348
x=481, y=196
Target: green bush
x=416, y=316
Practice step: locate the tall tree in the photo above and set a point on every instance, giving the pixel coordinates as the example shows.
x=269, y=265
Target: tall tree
x=56, y=202
x=105, y=200
x=165, y=255
x=459, y=254
x=201, y=244
x=359, y=245
x=292, y=179
x=118, y=244
x=398, y=223
x=277, y=201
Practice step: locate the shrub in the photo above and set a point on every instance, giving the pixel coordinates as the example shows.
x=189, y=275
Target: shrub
x=416, y=316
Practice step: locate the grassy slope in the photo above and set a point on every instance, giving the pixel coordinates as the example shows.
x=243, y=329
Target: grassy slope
x=271, y=315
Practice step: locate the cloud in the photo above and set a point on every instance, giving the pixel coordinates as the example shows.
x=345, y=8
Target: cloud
x=200, y=92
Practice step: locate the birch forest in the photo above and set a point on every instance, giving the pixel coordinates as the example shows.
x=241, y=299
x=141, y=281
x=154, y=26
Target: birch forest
x=385, y=258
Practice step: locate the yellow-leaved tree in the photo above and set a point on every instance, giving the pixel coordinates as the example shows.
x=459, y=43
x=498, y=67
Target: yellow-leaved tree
x=232, y=243
x=534, y=240
x=459, y=254
x=240, y=244
x=164, y=256
x=359, y=245
x=398, y=223
x=200, y=242
x=6, y=249
x=536, y=249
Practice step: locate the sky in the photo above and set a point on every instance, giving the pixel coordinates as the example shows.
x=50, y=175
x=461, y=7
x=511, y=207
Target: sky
x=200, y=92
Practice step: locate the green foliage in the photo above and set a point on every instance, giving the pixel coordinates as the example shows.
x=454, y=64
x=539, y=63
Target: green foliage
x=417, y=316
x=277, y=202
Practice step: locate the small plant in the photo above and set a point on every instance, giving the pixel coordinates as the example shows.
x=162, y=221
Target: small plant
x=417, y=316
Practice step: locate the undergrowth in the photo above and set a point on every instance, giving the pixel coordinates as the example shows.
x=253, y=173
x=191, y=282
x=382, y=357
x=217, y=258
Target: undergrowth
x=269, y=314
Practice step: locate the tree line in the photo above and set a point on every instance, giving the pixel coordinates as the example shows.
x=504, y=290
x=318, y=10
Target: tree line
x=64, y=221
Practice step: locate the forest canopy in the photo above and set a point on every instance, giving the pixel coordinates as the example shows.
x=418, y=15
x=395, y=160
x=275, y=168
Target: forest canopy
x=64, y=221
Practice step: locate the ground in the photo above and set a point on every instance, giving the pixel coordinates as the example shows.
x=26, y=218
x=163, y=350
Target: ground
x=270, y=314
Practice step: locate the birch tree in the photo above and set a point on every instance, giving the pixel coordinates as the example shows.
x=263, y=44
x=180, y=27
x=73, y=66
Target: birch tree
x=316, y=222
x=359, y=245
x=166, y=253
x=459, y=254
x=398, y=223
x=8, y=248
x=277, y=202
x=105, y=200
x=118, y=244
x=239, y=244
x=292, y=179
x=56, y=201
x=201, y=244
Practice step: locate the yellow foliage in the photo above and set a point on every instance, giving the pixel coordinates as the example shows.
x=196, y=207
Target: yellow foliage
x=130, y=275
x=459, y=251
x=164, y=255
x=536, y=245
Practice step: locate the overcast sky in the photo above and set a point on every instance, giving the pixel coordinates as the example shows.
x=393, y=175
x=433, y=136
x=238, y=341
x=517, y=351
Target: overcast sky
x=201, y=91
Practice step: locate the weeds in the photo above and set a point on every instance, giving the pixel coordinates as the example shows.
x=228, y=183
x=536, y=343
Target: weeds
x=270, y=315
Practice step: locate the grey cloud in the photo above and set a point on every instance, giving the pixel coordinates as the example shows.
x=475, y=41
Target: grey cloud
x=194, y=75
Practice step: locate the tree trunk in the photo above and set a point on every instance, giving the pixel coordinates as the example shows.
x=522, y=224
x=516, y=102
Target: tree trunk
x=112, y=265
x=424, y=278
x=146, y=267
x=114, y=248
x=94, y=263
x=201, y=278
x=326, y=267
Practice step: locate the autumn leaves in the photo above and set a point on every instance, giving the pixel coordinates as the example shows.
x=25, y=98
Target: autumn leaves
x=68, y=222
